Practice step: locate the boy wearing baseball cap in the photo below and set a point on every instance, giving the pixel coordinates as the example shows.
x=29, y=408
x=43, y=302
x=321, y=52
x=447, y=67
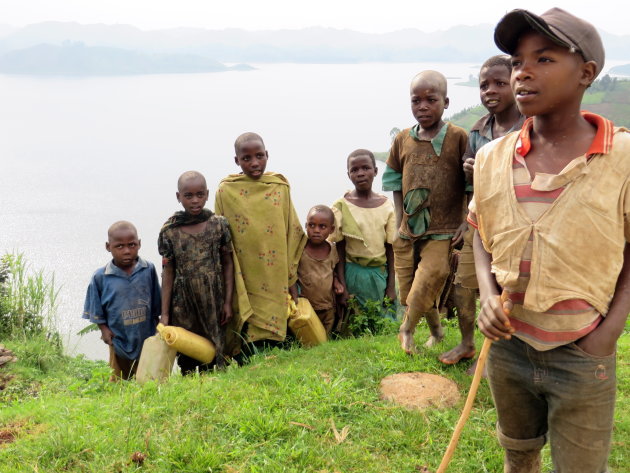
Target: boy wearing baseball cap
x=552, y=210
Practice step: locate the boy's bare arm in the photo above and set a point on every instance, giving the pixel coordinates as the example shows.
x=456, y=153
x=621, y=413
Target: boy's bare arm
x=168, y=275
x=106, y=334
x=340, y=270
x=492, y=320
x=458, y=237
x=227, y=264
x=603, y=340
x=398, y=205
x=390, y=291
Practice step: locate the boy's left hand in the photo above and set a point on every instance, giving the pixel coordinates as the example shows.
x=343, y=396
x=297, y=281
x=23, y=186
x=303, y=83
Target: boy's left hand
x=390, y=293
x=597, y=343
x=227, y=313
x=338, y=287
x=459, y=234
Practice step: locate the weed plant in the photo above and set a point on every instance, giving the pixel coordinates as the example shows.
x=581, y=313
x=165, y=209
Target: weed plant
x=28, y=299
x=374, y=318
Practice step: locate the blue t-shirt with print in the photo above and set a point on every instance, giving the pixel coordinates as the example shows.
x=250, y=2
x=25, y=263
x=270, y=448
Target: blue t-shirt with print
x=129, y=304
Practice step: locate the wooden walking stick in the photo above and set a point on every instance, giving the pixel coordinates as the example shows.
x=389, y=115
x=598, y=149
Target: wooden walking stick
x=472, y=393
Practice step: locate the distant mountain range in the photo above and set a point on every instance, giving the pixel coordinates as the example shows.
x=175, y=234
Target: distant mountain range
x=72, y=48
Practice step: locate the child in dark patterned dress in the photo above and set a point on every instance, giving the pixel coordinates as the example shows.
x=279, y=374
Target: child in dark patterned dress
x=198, y=272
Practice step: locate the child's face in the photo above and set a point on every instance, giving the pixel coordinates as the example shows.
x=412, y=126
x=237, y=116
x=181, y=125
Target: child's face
x=494, y=89
x=427, y=103
x=548, y=78
x=361, y=172
x=318, y=226
x=252, y=158
x=193, y=195
x=124, y=245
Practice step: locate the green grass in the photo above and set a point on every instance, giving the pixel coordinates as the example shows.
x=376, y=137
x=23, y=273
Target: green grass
x=273, y=415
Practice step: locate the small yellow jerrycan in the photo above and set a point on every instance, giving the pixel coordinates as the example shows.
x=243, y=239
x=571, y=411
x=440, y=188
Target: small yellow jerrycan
x=156, y=360
x=305, y=324
x=188, y=343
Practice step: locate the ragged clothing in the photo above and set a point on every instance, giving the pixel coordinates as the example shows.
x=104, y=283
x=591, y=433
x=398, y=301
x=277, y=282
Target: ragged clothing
x=268, y=241
x=198, y=286
x=129, y=304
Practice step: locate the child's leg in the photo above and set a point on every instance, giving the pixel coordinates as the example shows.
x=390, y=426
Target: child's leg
x=521, y=405
x=428, y=280
x=122, y=368
x=465, y=301
x=327, y=317
x=435, y=327
x=464, y=295
x=581, y=409
x=405, y=266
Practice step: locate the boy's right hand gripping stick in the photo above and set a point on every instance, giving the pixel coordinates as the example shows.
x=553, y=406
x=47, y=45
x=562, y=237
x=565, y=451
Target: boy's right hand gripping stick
x=481, y=362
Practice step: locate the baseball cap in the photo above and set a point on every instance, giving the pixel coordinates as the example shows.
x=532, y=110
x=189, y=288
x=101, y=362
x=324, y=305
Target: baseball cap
x=558, y=25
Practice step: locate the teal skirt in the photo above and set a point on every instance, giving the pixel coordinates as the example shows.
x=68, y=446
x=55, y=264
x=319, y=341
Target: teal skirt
x=367, y=283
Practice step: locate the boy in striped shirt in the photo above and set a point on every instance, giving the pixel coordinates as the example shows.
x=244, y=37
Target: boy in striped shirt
x=552, y=210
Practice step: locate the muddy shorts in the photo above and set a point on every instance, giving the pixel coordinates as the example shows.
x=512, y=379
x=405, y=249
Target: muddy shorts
x=422, y=268
x=563, y=394
x=466, y=275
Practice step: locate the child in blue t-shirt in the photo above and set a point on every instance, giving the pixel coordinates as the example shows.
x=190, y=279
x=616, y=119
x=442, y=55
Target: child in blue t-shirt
x=123, y=299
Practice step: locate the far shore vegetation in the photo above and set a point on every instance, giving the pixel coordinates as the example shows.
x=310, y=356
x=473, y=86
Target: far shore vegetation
x=607, y=96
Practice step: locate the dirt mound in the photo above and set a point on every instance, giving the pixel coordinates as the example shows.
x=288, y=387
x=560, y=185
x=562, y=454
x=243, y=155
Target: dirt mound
x=419, y=390
x=6, y=356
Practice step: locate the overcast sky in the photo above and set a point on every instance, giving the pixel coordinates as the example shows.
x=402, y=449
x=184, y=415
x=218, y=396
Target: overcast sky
x=381, y=16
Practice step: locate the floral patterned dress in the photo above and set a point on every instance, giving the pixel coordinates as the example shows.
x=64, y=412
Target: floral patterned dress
x=197, y=297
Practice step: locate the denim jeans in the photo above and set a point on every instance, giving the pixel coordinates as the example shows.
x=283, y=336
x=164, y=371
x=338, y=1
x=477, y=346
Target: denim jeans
x=564, y=394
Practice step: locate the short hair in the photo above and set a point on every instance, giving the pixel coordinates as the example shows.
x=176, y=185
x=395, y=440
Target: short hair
x=187, y=176
x=322, y=209
x=244, y=138
x=121, y=225
x=362, y=152
x=498, y=60
x=434, y=78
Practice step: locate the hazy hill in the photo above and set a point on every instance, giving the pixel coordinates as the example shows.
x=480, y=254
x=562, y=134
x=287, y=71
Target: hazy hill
x=623, y=70
x=460, y=43
x=78, y=59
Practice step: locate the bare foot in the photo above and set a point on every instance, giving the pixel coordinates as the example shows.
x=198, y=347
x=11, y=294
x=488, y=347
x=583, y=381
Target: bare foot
x=471, y=371
x=406, y=342
x=455, y=355
x=433, y=340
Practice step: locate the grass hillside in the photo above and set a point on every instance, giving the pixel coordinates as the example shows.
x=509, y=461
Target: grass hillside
x=607, y=97
x=295, y=411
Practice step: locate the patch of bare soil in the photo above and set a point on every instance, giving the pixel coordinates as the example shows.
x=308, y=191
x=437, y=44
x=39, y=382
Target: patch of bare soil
x=419, y=390
x=6, y=436
x=9, y=432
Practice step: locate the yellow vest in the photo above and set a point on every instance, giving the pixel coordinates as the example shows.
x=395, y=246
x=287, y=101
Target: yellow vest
x=578, y=242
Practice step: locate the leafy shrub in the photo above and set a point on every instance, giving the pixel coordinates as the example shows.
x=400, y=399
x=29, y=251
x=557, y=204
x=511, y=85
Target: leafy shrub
x=373, y=318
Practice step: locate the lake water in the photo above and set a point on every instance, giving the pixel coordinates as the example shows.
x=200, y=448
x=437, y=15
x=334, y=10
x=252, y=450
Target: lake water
x=78, y=154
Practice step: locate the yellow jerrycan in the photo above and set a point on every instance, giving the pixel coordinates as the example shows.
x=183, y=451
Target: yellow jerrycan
x=156, y=360
x=188, y=343
x=305, y=324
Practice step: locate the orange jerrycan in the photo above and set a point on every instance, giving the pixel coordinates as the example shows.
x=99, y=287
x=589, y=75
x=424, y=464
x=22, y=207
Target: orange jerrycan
x=305, y=324
x=188, y=343
x=156, y=360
